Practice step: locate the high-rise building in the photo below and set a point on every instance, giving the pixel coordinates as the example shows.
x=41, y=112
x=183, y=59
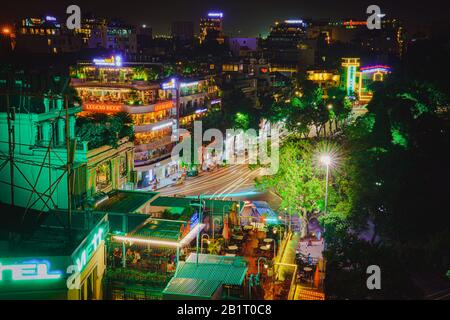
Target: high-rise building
x=211, y=27
x=45, y=35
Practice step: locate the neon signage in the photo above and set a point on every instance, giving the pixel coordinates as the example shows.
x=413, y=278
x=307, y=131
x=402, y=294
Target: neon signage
x=169, y=85
x=87, y=248
x=102, y=107
x=376, y=68
x=194, y=220
x=188, y=84
x=351, y=79
x=215, y=15
x=293, y=21
x=113, y=61
x=50, y=18
x=355, y=23
x=29, y=270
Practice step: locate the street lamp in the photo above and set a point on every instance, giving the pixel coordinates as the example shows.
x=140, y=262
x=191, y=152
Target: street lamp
x=326, y=160
x=265, y=264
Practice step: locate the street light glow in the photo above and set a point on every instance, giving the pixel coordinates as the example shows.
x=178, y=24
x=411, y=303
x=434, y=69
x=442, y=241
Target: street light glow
x=326, y=160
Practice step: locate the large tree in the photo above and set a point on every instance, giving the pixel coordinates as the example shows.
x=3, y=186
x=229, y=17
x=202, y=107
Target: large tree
x=297, y=182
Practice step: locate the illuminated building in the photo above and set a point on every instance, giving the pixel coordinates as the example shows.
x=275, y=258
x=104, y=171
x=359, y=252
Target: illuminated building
x=368, y=75
x=286, y=42
x=325, y=79
x=288, y=33
x=356, y=79
x=93, y=32
x=46, y=264
x=350, y=69
x=107, y=87
x=46, y=35
x=211, y=26
x=121, y=37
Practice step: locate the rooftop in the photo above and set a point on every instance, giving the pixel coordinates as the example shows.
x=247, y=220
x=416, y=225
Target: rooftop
x=125, y=201
x=227, y=270
x=42, y=235
x=192, y=287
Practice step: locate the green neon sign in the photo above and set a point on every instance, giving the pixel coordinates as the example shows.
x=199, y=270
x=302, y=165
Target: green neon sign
x=351, y=79
x=29, y=270
x=87, y=248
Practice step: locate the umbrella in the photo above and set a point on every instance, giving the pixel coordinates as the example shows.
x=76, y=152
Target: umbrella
x=185, y=230
x=317, y=277
x=226, y=229
x=233, y=218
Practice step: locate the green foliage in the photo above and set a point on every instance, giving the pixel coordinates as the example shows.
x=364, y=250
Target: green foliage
x=298, y=182
x=134, y=276
x=102, y=129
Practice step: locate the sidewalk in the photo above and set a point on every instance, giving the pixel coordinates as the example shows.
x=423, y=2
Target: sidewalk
x=288, y=257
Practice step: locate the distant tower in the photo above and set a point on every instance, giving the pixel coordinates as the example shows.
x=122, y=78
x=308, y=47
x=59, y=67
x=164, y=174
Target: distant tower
x=211, y=26
x=351, y=65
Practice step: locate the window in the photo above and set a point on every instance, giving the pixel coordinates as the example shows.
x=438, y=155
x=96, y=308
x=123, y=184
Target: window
x=123, y=166
x=103, y=176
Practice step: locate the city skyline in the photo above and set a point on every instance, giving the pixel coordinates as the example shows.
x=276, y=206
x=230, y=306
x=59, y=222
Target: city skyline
x=159, y=16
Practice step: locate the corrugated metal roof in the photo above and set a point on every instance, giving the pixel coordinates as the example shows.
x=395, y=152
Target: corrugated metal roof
x=125, y=201
x=192, y=287
x=159, y=230
x=227, y=270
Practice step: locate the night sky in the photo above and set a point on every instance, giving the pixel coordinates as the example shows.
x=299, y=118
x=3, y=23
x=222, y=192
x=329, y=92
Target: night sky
x=249, y=17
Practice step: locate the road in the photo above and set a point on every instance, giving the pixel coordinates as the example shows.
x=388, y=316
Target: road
x=234, y=182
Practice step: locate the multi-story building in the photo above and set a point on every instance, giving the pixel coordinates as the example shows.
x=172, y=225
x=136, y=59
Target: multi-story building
x=121, y=37
x=93, y=32
x=285, y=42
x=211, y=27
x=38, y=139
x=108, y=86
x=45, y=35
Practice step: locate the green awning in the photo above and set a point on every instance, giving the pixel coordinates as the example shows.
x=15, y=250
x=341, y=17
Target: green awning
x=192, y=287
x=227, y=270
x=125, y=201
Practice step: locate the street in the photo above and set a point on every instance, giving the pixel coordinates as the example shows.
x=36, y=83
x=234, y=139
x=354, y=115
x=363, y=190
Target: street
x=232, y=182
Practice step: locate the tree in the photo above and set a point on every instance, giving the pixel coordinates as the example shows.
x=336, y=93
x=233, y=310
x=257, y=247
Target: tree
x=100, y=129
x=297, y=181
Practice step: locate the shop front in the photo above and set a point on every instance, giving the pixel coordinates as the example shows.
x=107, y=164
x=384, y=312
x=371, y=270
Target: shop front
x=158, y=175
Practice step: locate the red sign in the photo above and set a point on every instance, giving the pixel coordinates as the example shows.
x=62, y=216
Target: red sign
x=102, y=107
x=355, y=23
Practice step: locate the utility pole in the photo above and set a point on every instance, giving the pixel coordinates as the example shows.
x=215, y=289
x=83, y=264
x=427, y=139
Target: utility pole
x=11, y=143
x=70, y=154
